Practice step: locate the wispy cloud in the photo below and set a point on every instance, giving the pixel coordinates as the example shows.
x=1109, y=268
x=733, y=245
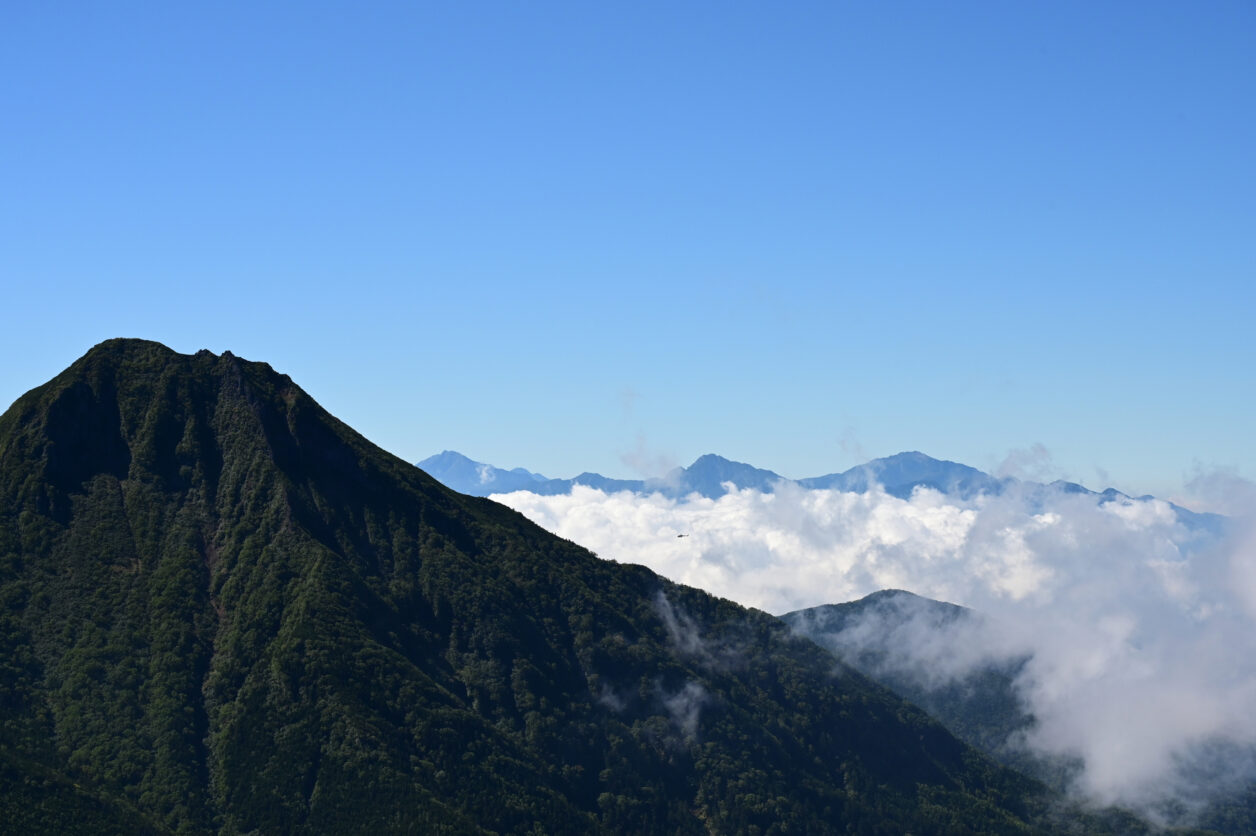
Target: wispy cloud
x=1034, y=463
x=685, y=708
x=682, y=632
x=646, y=461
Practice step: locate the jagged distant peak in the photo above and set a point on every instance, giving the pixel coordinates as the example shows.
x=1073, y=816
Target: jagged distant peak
x=909, y=455
x=709, y=475
x=713, y=458
x=710, y=461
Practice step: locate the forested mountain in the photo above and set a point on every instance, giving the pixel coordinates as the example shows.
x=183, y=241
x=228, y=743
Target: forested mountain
x=222, y=610
x=908, y=642
x=874, y=634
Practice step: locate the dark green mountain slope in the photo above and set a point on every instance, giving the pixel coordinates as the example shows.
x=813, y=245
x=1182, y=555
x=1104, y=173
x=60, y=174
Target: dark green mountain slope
x=222, y=610
x=904, y=640
x=980, y=706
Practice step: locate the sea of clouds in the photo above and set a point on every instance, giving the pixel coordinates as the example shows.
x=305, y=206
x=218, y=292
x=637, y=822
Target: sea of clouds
x=1141, y=630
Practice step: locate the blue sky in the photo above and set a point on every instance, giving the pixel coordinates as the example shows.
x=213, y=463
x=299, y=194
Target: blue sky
x=617, y=236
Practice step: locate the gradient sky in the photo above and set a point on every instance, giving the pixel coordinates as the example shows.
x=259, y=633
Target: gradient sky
x=614, y=237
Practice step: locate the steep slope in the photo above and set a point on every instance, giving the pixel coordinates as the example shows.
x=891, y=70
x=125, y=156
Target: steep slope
x=222, y=610
x=903, y=640
x=924, y=650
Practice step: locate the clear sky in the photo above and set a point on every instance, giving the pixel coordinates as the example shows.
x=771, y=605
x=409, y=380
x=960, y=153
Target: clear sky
x=615, y=236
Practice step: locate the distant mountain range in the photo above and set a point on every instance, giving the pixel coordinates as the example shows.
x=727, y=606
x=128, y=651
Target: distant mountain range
x=706, y=476
x=898, y=475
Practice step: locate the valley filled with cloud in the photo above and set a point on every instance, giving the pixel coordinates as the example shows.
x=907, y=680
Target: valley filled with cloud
x=1139, y=623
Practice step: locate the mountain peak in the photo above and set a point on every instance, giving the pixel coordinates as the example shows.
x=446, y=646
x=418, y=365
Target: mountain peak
x=468, y=476
x=909, y=456
x=447, y=458
x=127, y=345
x=118, y=352
x=136, y=356
x=237, y=614
x=709, y=473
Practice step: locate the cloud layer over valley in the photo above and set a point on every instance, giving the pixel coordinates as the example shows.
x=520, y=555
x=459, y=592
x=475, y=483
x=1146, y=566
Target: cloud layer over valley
x=1141, y=628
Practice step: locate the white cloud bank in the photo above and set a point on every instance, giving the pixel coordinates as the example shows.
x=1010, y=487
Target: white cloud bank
x=1142, y=632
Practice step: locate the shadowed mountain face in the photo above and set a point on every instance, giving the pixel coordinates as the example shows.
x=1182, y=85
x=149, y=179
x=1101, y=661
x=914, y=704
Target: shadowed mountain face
x=222, y=610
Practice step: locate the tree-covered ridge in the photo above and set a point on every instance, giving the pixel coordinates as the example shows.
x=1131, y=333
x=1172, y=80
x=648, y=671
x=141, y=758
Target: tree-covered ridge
x=222, y=610
x=980, y=702
x=980, y=707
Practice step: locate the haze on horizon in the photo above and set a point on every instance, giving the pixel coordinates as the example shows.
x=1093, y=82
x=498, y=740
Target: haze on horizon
x=614, y=238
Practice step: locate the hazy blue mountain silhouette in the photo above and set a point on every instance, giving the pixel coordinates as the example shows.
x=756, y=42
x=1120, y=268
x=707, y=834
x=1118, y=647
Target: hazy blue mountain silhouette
x=902, y=473
x=476, y=478
x=708, y=476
